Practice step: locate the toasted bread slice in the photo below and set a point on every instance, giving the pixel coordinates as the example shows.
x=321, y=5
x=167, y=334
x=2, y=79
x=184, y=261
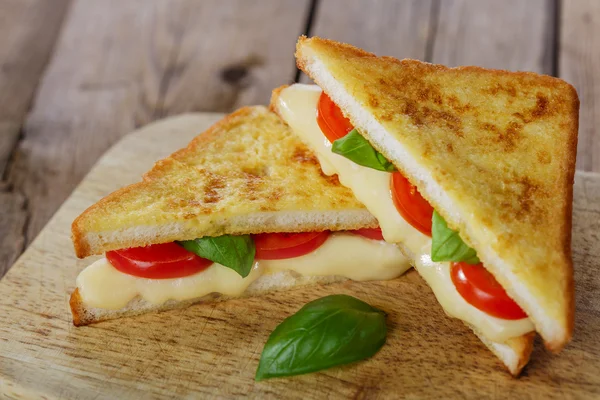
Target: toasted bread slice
x=246, y=174
x=493, y=151
x=84, y=314
x=515, y=352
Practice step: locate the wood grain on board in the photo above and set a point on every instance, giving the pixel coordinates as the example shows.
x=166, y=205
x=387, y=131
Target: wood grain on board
x=579, y=64
x=213, y=350
x=28, y=30
x=121, y=64
x=512, y=35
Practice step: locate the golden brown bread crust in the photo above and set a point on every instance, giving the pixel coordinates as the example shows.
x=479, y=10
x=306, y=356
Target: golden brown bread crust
x=519, y=352
x=523, y=346
x=246, y=174
x=275, y=93
x=76, y=304
x=500, y=146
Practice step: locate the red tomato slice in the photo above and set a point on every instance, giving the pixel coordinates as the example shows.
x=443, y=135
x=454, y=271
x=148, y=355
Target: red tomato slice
x=277, y=246
x=370, y=233
x=331, y=120
x=480, y=289
x=410, y=204
x=157, y=261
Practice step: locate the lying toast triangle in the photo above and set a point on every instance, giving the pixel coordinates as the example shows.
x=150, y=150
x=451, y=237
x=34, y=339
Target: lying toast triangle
x=492, y=151
x=246, y=174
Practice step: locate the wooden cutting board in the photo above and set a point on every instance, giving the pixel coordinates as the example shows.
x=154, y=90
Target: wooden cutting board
x=212, y=350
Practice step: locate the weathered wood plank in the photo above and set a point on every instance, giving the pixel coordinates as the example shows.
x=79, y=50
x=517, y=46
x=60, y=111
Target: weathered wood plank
x=12, y=222
x=386, y=27
x=511, y=34
x=579, y=64
x=120, y=64
x=28, y=30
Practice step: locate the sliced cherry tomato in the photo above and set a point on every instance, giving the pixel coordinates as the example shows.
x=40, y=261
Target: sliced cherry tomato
x=410, y=204
x=480, y=289
x=277, y=246
x=157, y=261
x=370, y=233
x=331, y=120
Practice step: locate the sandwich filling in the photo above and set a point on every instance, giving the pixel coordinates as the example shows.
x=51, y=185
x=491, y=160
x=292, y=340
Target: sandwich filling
x=380, y=190
x=111, y=283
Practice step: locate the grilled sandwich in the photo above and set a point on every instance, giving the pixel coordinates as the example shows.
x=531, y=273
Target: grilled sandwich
x=469, y=170
x=242, y=210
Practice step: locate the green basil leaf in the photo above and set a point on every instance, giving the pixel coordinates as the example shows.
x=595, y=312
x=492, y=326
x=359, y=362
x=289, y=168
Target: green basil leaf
x=329, y=331
x=356, y=148
x=235, y=252
x=446, y=244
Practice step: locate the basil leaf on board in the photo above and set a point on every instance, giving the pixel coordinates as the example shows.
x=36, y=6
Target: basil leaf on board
x=446, y=244
x=356, y=148
x=326, y=332
x=235, y=252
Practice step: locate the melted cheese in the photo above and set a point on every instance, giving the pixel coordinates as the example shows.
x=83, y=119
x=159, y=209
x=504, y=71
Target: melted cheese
x=347, y=255
x=297, y=105
x=437, y=276
x=102, y=285
x=351, y=256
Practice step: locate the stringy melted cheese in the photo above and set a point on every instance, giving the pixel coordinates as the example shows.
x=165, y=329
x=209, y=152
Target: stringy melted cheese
x=343, y=254
x=297, y=105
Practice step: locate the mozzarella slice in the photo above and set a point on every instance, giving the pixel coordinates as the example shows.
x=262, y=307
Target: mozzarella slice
x=103, y=286
x=437, y=276
x=297, y=105
x=348, y=255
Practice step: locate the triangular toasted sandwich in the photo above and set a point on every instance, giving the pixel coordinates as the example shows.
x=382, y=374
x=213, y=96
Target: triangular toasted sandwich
x=470, y=170
x=242, y=210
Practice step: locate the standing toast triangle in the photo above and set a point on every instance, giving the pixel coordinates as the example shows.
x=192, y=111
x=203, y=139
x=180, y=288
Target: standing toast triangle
x=492, y=151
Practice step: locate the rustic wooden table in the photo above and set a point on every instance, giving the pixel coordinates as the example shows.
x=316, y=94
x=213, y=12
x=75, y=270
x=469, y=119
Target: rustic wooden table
x=76, y=75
